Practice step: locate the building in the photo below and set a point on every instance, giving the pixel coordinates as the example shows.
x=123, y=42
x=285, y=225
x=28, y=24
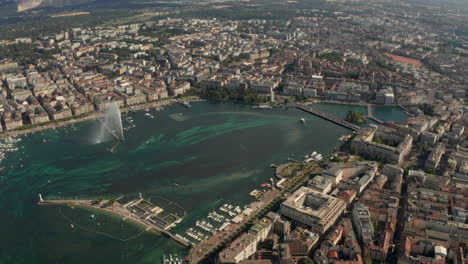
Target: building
x=246, y=245
x=282, y=227
x=434, y=158
x=382, y=144
x=363, y=224
x=301, y=241
x=321, y=184
x=313, y=208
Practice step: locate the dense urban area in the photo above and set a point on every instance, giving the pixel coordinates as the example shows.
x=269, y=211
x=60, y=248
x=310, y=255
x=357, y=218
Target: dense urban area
x=395, y=192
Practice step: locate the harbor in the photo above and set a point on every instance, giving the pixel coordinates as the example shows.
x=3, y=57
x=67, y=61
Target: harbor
x=159, y=157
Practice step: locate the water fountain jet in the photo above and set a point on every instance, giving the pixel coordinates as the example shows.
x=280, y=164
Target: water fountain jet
x=111, y=124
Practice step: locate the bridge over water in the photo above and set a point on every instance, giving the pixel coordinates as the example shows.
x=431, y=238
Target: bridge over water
x=370, y=114
x=328, y=117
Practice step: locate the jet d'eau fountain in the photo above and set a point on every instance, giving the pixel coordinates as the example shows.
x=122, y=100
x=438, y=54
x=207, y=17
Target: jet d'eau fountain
x=110, y=126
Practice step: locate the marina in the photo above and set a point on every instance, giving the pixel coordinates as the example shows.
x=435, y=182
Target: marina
x=313, y=157
x=216, y=221
x=172, y=259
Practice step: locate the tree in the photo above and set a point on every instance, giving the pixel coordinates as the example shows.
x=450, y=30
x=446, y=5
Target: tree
x=378, y=140
x=355, y=117
x=306, y=261
x=37, y=111
x=99, y=199
x=331, y=56
x=367, y=260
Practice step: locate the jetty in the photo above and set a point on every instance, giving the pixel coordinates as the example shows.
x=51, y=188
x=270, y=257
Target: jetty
x=328, y=117
x=370, y=115
x=139, y=211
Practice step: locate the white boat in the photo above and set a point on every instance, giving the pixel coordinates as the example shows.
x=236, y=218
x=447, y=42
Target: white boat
x=302, y=120
x=186, y=104
x=263, y=107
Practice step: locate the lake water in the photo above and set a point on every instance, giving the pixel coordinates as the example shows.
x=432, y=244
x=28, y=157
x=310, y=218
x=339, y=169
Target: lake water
x=200, y=158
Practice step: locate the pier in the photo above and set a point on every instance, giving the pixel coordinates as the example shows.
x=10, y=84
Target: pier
x=370, y=115
x=125, y=211
x=328, y=117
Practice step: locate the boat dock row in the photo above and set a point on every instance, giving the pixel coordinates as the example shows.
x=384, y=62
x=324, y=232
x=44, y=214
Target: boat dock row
x=215, y=221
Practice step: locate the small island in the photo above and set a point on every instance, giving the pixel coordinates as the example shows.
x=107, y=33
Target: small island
x=355, y=117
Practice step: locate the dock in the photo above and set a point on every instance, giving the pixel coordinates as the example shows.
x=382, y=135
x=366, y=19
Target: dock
x=370, y=115
x=201, y=251
x=328, y=117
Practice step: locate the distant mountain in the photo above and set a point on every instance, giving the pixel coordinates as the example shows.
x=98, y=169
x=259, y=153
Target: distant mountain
x=442, y=3
x=23, y=5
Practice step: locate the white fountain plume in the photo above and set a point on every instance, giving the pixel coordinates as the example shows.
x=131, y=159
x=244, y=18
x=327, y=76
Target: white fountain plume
x=111, y=125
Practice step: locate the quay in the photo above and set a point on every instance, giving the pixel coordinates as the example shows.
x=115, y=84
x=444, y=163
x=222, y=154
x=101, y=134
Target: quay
x=145, y=217
x=328, y=117
x=370, y=115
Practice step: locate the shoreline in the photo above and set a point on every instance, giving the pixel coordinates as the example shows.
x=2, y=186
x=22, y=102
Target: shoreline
x=156, y=104
x=95, y=116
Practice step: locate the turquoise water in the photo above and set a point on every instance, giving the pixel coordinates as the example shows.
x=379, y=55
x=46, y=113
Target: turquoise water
x=200, y=158
x=384, y=113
